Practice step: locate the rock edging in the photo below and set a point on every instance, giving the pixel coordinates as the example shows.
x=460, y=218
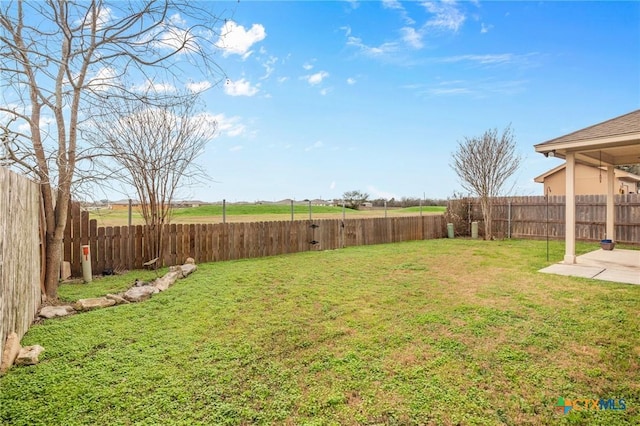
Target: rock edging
x=14, y=354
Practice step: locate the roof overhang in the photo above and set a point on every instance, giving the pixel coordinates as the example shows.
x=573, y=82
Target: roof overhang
x=614, y=142
x=609, y=151
x=630, y=179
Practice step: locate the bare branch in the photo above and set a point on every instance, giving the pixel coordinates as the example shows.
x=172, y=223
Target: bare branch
x=484, y=165
x=153, y=149
x=60, y=58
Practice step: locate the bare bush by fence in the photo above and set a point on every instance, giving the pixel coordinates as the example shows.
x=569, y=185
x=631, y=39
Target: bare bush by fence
x=121, y=247
x=537, y=217
x=19, y=254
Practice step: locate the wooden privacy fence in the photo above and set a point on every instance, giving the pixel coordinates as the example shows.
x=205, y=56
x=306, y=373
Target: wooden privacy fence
x=122, y=247
x=537, y=217
x=19, y=254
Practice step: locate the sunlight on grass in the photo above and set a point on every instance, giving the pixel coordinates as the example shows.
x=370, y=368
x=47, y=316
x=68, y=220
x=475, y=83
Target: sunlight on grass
x=426, y=332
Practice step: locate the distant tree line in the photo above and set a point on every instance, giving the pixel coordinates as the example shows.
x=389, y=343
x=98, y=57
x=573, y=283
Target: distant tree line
x=356, y=199
x=408, y=202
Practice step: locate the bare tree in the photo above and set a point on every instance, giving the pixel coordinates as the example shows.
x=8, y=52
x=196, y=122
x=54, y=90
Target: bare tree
x=58, y=57
x=484, y=165
x=152, y=149
x=354, y=199
x=631, y=168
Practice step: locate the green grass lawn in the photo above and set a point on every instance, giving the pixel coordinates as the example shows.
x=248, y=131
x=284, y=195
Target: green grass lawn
x=440, y=332
x=425, y=209
x=254, y=209
x=253, y=213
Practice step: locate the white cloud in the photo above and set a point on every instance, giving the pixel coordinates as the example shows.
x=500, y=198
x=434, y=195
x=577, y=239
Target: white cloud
x=396, y=5
x=210, y=122
x=235, y=39
x=377, y=193
x=351, y=81
x=438, y=91
x=413, y=86
x=307, y=66
x=225, y=126
x=172, y=36
x=412, y=37
x=479, y=88
x=488, y=59
x=241, y=87
x=177, y=20
x=268, y=66
x=373, y=51
x=104, y=78
x=324, y=91
x=104, y=17
x=152, y=86
x=198, y=87
x=236, y=148
x=332, y=185
x=316, y=78
x=446, y=15
x=391, y=4
x=484, y=28
x=316, y=145
x=45, y=122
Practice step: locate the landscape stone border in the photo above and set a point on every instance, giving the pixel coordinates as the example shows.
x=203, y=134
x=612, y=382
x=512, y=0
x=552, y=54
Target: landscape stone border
x=14, y=354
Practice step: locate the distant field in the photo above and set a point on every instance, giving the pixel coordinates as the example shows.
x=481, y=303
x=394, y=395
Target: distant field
x=255, y=213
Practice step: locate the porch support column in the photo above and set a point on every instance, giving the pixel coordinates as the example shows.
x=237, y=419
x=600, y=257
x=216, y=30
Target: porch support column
x=570, y=210
x=610, y=204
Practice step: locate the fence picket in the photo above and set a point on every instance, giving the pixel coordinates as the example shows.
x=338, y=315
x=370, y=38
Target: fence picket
x=110, y=246
x=529, y=217
x=20, y=257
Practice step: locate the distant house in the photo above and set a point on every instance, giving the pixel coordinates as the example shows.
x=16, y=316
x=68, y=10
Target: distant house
x=320, y=202
x=186, y=203
x=589, y=180
x=123, y=204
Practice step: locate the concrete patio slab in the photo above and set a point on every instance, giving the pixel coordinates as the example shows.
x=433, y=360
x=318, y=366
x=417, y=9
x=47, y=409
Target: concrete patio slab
x=619, y=276
x=573, y=270
x=619, y=259
x=622, y=266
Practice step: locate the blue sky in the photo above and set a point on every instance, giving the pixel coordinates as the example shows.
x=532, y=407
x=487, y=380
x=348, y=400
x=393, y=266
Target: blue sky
x=327, y=97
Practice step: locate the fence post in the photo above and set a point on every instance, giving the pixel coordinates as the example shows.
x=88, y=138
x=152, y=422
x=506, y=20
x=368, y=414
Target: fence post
x=509, y=220
x=468, y=213
x=131, y=243
x=86, y=263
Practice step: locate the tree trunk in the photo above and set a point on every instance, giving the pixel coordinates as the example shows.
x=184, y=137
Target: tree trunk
x=487, y=215
x=487, y=226
x=52, y=272
x=56, y=220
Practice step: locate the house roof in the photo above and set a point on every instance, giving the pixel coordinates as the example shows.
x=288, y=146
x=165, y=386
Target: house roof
x=542, y=177
x=612, y=142
x=620, y=174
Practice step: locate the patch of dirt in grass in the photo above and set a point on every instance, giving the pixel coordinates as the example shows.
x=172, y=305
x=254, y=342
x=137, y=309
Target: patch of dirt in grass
x=353, y=398
x=584, y=351
x=408, y=356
